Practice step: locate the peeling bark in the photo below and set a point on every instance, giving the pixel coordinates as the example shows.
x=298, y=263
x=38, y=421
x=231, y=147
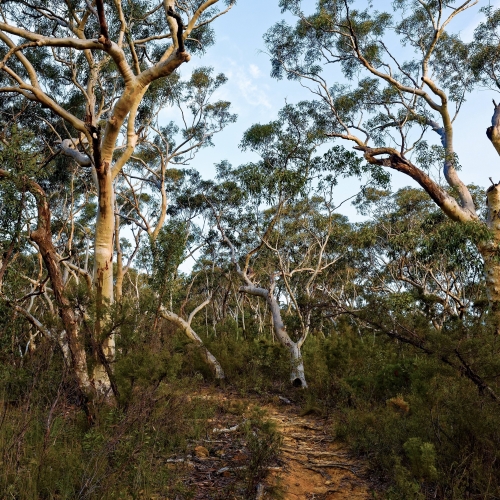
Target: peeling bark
x=42, y=236
x=68, y=148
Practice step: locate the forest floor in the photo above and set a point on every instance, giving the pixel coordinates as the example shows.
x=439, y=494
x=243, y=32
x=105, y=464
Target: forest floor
x=310, y=465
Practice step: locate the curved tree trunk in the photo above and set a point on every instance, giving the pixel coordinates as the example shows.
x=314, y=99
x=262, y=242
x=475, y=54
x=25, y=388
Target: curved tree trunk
x=73, y=341
x=297, y=374
x=192, y=335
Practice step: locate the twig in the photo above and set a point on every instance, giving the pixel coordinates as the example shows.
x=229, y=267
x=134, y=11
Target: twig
x=228, y=429
x=260, y=492
x=328, y=465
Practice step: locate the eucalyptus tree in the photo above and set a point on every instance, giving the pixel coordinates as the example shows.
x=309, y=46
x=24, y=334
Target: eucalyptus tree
x=277, y=216
x=402, y=79
x=412, y=251
x=158, y=171
x=94, y=66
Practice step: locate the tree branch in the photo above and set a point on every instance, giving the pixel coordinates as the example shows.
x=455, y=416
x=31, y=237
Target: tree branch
x=180, y=29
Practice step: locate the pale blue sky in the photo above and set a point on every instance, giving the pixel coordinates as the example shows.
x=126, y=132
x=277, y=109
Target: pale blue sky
x=256, y=97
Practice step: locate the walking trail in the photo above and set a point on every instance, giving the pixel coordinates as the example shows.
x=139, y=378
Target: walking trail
x=316, y=466
x=313, y=465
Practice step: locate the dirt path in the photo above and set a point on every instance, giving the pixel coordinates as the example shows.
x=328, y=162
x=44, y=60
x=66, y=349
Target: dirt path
x=312, y=465
x=315, y=465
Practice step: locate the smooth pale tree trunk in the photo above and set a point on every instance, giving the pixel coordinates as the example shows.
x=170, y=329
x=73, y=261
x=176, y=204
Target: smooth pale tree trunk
x=490, y=250
x=119, y=262
x=185, y=326
x=106, y=171
x=103, y=273
x=61, y=338
x=297, y=375
x=491, y=256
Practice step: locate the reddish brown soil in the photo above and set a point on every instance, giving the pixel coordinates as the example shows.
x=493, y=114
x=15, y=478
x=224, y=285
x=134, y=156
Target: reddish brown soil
x=315, y=465
x=312, y=465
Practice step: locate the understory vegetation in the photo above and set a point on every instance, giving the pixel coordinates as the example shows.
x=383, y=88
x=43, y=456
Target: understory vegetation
x=142, y=305
x=417, y=402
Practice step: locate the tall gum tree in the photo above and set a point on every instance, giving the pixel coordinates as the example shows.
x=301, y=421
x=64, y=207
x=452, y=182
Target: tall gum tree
x=104, y=56
x=397, y=103
x=277, y=217
x=157, y=169
x=295, y=253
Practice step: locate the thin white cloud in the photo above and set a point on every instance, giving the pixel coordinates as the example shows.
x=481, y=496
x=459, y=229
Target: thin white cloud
x=255, y=71
x=242, y=83
x=473, y=17
x=255, y=95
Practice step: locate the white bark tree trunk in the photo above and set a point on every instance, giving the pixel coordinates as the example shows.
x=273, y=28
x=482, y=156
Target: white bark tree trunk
x=103, y=273
x=185, y=326
x=297, y=374
x=297, y=377
x=120, y=273
x=490, y=254
x=490, y=250
x=124, y=109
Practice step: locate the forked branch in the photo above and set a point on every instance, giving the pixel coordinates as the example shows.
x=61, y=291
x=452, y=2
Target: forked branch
x=180, y=29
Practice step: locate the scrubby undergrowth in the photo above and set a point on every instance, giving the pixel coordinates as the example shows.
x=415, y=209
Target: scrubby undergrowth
x=425, y=428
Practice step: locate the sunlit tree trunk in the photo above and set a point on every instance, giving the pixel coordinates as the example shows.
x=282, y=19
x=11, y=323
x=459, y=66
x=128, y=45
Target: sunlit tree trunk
x=185, y=326
x=120, y=273
x=297, y=375
x=490, y=254
x=103, y=272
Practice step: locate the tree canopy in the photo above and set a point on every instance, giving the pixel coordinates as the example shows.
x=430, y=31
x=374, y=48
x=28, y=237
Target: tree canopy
x=130, y=283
